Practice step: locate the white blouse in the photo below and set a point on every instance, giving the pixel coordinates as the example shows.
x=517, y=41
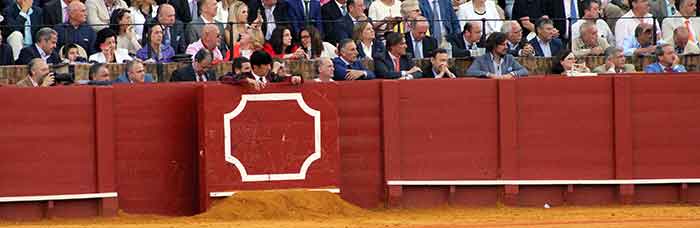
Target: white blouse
x=121, y=55
x=139, y=19
x=378, y=11
x=466, y=12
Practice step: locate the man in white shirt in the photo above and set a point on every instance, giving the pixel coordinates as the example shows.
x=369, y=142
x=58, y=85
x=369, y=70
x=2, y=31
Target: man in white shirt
x=626, y=25
x=685, y=17
x=591, y=12
x=325, y=70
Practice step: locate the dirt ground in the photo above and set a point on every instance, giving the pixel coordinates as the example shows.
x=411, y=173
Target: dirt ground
x=326, y=210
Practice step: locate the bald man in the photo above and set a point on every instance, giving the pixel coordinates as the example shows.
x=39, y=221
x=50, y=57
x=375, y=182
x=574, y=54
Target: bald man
x=419, y=44
x=209, y=40
x=325, y=70
x=76, y=31
x=173, y=29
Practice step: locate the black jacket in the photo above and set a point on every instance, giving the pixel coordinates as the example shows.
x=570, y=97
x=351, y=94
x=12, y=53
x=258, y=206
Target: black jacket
x=187, y=74
x=28, y=53
x=429, y=45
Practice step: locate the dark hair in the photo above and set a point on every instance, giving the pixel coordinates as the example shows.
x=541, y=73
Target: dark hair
x=660, y=50
x=344, y=42
x=587, y=4
x=467, y=27
x=66, y=49
x=259, y=58
x=277, y=42
x=102, y=36
x=316, y=42
x=543, y=21
x=392, y=39
x=238, y=62
x=494, y=40
x=94, y=69
x=350, y=3
x=678, y=4
x=114, y=19
x=557, y=68
x=639, y=30
x=439, y=51
x=203, y=54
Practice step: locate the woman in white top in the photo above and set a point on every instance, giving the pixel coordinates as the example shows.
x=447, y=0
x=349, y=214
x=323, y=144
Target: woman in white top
x=141, y=11
x=364, y=37
x=222, y=10
x=386, y=13
x=106, y=43
x=120, y=23
x=313, y=46
x=481, y=9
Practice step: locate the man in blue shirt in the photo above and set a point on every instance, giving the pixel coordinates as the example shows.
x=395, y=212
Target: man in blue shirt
x=347, y=66
x=23, y=20
x=640, y=43
x=667, y=61
x=75, y=31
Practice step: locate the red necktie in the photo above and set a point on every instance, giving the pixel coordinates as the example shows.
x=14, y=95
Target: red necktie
x=668, y=69
x=397, y=65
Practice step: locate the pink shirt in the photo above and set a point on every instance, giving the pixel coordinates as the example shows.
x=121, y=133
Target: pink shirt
x=193, y=48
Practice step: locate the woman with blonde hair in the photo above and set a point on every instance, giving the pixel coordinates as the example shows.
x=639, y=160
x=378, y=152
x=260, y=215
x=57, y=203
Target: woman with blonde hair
x=237, y=15
x=409, y=11
x=251, y=40
x=368, y=45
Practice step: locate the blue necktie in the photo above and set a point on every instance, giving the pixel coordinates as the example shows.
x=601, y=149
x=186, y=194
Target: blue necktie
x=436, y=21
x=574, y=12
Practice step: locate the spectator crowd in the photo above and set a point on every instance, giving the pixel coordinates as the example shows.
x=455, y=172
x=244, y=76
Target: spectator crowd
x=340, y=35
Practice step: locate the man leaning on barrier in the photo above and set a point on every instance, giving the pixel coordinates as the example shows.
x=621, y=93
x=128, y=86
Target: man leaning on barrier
x=496, y=63
x=260, y=75
x=438, y=67
x=135, y=73
x=198, y=71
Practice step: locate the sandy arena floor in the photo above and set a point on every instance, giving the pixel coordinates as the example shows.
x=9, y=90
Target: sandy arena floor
x=318, y=209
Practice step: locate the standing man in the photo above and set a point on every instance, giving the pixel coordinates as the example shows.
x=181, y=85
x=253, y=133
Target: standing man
x=441, y=17
x=300, y=13
x=685, y=17
x=56, y=12
x=261, y=73
x=332, y=12
x=496, y=63
x=639, y=14
x=208, y=12
x=23, y=21
x=419, y=44
x=273, y=13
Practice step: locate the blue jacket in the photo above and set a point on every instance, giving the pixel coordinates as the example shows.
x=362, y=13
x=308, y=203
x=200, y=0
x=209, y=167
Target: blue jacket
x=555, y=45
x=447, y=14
x=296, y=15
x=483, y=65
x=384, y=66
x=148, y=78
x=657, y=68
x=341, y=69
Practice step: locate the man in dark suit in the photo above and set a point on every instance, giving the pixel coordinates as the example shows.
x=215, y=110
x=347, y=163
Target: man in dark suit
x=516, y=45
x=347, y=66
x=558, y=9
x=183, y=11
x=76, y=31
x=468, y=39
x=544, y=43
x=56, y=12
x=530, y=9
x=16, y=18
x=394, y=64
x=330, y=13
x=199, y=71
x=442, y=21
x=261, y=73
x=420, y=45
x=174, y=31
x=496, y=63
x=343, y=28
x=438, y=67
x=6, y=56
x=299, y=15
x=273, y=12
x=46, y=39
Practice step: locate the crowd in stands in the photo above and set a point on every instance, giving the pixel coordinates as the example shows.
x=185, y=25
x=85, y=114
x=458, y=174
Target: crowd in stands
x=341, y=34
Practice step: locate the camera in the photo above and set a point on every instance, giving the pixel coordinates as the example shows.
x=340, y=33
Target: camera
x=63, y=78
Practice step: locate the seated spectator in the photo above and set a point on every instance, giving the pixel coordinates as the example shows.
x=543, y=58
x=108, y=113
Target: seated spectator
x=238, y=17
x=438, y=67
x=56, y=12
x=280, y=45
x=394, y=64
x=386, y=14
x=23, y=21
x=640, y=43
x=141, y=12
x=667, y=61
x=38, y=74
x=466, y=41
x=325, y=70
x=241, y=65
x=545, y=44
x=155, y=50
x=496, y=63
x=419, y=44
x=70, y=54
x=135, y=73
x=682, y=44
x=6, y=56
x=199, y=71
x=614, y=63
x=209, y=41
x=313, y=46
x=685, y=17
x=409, y=11
x=106, y=45
x=589, y=42
x=76, y=31
x=43, y=48
x=121, y=24
x=347, y=66
x=174, y=33
x=565, y=64
x=516, y=45
x=591, y=14
x=481, y=9
x=251, y=40
x=207, y=12
x=628, y=23
x=367, y=44
x=100, y=12
x=261, y=73
x=99, y=72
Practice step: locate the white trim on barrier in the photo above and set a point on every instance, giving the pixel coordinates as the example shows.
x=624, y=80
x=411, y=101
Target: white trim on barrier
x=227, y=194
x=542, y=182
x=8, y=199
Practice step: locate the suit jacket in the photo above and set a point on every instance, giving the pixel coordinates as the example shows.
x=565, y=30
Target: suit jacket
x=530, y=8
x=53, y=13
x=238, y=79
x=195, y=31
x=341, y=69
x=281, y=13
x=341, y=29
x=483, y=65
x=627, y=68
x=178, y=35
x=377, y=49
x=32, y=52
x=384, y=66
x=6, y=57
x=657, y=68
x=330, y=12
x=25, y=83
x=297, y=18
x=514, y=49
x=122, y=78
x=554, y=45
x=581, y=49
x=428, y=71
x=658, y=9
x=187, y=74
x=447, y=14
x=459, y=47
x=15, y=22
x=98, y=13
x=182, y=10
x=429, y=45
x=555, y=9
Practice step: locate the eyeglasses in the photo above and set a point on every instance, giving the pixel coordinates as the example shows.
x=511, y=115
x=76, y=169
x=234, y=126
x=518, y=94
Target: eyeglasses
x=305, y=36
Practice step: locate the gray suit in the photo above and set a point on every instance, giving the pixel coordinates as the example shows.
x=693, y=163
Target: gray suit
x=658, y=9
x=483, y=65
x=628, y=68
x=195, y=31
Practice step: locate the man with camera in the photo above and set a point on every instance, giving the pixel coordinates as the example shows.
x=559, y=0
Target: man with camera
x=39, y=74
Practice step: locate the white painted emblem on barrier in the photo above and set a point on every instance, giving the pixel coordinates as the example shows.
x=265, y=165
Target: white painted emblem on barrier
x=301, y=175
